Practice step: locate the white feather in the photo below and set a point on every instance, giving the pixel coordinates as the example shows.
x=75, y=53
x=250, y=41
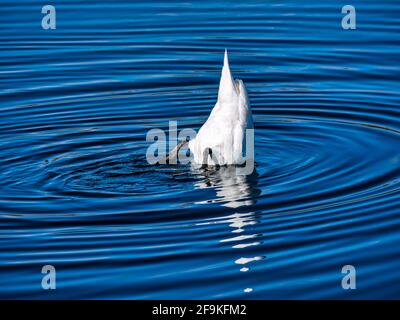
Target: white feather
x=225, y=129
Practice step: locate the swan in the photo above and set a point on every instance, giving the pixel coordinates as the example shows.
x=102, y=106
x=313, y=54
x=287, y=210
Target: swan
x=221, y=139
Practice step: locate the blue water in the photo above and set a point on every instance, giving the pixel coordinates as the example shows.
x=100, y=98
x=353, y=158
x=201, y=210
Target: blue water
x=77, y=193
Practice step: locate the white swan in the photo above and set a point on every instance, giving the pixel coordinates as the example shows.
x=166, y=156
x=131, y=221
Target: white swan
x=221, y=139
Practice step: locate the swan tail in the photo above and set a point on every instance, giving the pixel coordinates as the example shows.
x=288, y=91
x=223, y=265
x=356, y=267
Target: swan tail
x=227, y=86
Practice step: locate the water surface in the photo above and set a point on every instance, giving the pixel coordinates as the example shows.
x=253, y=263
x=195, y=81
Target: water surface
x=77, y=193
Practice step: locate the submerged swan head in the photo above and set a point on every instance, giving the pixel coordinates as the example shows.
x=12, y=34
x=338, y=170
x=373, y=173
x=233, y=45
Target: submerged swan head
x=221, y=139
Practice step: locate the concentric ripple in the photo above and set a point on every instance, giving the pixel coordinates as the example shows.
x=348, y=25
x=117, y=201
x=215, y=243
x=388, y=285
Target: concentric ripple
x=77, y=192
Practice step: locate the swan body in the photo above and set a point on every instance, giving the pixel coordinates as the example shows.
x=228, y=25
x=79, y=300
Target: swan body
x=221, y=139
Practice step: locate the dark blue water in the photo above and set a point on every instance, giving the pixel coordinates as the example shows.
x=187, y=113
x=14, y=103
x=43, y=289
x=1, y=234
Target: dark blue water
x=77, y=193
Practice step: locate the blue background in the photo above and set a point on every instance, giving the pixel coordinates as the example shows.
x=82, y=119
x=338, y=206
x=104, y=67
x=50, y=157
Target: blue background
x=77, y=193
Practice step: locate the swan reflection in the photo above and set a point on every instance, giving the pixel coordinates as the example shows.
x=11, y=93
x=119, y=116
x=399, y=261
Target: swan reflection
x=234, y=191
